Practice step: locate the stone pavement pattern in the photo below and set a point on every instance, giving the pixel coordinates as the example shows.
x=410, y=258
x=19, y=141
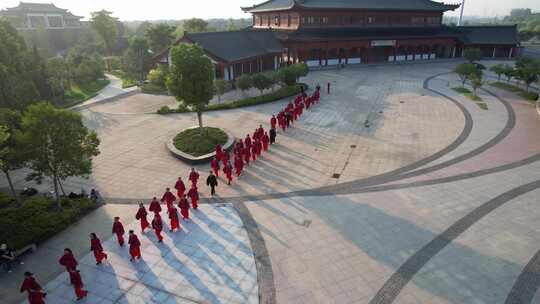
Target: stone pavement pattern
x=456, y=240
x=208, y=261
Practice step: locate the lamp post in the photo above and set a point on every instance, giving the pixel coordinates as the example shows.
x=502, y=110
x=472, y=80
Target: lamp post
x=460, y=22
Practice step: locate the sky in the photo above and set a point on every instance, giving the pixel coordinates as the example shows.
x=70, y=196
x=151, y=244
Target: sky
x=183, y=9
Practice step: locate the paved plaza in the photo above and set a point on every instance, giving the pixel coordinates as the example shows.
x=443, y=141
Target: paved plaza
x=394, y=189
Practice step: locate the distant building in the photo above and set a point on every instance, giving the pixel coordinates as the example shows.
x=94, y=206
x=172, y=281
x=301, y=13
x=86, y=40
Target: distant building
x=329, y=32
x=32, y=16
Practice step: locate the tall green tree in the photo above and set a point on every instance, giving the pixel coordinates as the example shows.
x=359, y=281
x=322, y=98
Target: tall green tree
x=137, y=58
x=244, y=82
x=105, y=26
x=160, y=36
x=12, y=156
x=39, y=74
x=472, y=55
x=191, y=77
x=58, y=144
x=508, y=72
x=195, y=25
x=16, y=86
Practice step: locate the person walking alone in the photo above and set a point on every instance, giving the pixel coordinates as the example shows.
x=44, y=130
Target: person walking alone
x=212, y=182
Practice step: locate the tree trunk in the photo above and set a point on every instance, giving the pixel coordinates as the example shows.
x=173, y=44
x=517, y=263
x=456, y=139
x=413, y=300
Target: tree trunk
x=61, y=187
x=527, y=87
x=199, y=117
x=56, y=194
x=12, y=188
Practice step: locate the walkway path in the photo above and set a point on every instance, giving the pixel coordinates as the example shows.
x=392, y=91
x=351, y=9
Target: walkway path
x=113, y=90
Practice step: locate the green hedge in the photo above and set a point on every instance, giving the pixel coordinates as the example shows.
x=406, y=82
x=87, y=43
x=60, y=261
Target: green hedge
x=150, y=88
x=191, y=142
x=283, y=92
x=37, y=220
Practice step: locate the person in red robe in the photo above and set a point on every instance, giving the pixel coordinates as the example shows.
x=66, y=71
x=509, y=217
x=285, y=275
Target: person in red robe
x=34, y=290
x=168, y=198
x=194, y=196
x=281, y=120
x=76, y=281
x=224, y=158
x=183, y=204
x=95, y=246
x=193, y=177
x=247, y=141
x=254, y=151
x=155, y=206
x=265, y=141
x=68, y=260
x=259, y=146
x=273, y=122
x=219, y=152
x=142, y=216
x=247, y=155
x=214, y=164
x=238, y=165
x=157, y=225
x=180, y=187
x=118, y=229
x=228, y=172
x=173, y=216
x=134, y=246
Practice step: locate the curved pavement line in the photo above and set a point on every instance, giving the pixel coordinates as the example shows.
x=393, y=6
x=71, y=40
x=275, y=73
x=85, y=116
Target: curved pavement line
x=526, y=284
x=265, y=274
x=403, y=275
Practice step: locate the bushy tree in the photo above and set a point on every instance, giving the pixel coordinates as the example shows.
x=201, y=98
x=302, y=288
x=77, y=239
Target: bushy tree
x=191, y=77
x=158, y=76
x=261, y=82
x=244, y=82
x=299, y=70
x=39, y=74
x=287, y=76
x=57, y=143
x=16, y=86
x=472, y=54
x=497, y=69
x=160, y=36
x=137, y=58
x=12, y=156
x=195, y=25
x=90, y=69
x=105, y=26
x=273, y=76
x=508, y=71
x=527, y=70
x=465, y=71
x=220, y=87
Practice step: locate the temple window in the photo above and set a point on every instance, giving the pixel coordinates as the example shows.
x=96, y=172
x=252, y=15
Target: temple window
x=417, y=20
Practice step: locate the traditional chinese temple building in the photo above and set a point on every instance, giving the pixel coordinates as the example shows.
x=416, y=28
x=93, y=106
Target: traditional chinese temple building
x=328, y=32
x=32, y=16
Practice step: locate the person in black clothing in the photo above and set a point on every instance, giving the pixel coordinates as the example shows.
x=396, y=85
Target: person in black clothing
x=7, y=257
x=212, y=182
x=273, y=135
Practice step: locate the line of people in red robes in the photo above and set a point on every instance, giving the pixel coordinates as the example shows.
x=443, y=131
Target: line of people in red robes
x=244, y=151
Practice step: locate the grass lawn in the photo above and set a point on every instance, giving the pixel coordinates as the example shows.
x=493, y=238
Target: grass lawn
x=190, y=141
x=81, y=93
x=529, y=96
x=38, y=219
x=468, y=93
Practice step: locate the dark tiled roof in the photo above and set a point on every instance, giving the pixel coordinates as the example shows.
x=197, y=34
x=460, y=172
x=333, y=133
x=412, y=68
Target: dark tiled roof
x=368, y=33
x=36, y=7
x=500, y=34
x=237, y=45
x=402, y=5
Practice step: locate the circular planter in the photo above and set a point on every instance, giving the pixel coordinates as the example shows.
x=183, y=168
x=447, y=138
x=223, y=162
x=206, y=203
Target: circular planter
x=195, y=160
